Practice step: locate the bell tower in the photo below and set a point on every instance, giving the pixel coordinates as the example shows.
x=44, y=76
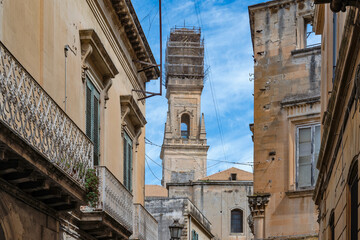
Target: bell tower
x=184, y=150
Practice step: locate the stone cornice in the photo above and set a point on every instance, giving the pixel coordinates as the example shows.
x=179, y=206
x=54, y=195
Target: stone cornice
x=135, y=34
x=212, y=182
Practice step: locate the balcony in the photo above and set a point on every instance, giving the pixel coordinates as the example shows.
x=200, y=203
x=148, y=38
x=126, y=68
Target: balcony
x=42, y=151
x=145, y=225
x=113, y=217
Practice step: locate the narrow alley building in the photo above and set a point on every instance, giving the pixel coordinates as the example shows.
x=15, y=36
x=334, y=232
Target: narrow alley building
x=286, y=129
x=337, y=189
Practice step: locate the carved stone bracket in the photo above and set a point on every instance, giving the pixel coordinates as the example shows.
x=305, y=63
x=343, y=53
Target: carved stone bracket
x=131, y=110
x=257, y=204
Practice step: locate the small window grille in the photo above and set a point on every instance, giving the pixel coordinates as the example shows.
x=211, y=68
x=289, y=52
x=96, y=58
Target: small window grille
x=237, y=221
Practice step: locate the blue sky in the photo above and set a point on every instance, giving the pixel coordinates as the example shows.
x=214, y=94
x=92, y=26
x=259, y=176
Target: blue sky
x=228, y=53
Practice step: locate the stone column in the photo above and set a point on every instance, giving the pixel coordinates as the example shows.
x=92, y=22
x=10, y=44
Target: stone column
x=257, y=204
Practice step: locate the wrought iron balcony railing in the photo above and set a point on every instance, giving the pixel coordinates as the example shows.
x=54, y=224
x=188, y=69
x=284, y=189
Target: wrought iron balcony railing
x=115, y=199
x=145, y=225
x=28, y=111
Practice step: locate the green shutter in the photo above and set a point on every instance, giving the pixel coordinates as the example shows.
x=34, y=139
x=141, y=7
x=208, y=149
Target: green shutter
x=127, y=162
x=93, y=118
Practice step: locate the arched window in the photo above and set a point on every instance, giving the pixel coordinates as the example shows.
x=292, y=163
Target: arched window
x=185, y=126
x=353, y=200
x=237, y=221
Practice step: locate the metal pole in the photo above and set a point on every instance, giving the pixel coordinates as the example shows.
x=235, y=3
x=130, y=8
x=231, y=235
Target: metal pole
x=65, y=50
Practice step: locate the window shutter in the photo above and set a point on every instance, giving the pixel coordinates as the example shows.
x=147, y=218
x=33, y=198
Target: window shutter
x=130, y=165
x=125, y=163
x=305, y=157
x=96, y=129
x=88, y=112
x=317, y=142
x=93, y=118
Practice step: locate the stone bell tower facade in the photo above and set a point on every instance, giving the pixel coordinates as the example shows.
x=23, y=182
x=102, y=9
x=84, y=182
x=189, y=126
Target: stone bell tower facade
x=184, y=150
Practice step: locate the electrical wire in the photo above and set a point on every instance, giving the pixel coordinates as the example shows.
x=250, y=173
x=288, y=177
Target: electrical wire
x=212, y=90
x=208, y=159
x=151, y=170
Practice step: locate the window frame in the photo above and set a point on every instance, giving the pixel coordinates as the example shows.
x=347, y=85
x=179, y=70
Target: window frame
x=313, y=161
x=242, y=221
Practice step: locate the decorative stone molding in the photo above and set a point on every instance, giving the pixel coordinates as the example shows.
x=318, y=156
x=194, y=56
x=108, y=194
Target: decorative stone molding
x=301, y=106
x=185, y=110
x=250, y=221
x=130, y=109
x=257, y=204
x=93, y=49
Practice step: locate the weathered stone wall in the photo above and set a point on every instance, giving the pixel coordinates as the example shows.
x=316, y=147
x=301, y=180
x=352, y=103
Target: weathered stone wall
x=285, y=71
x=216, y=199
x=21, y=221
x=165, y=210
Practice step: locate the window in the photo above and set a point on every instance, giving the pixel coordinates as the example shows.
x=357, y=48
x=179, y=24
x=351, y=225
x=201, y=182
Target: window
x=312, y=40
x=185, y=126
x=307, y=152
x=195, y=235
x=353, y=200
x=93, y=118
x=127, y=162
x=233, y=176
x=237, y=221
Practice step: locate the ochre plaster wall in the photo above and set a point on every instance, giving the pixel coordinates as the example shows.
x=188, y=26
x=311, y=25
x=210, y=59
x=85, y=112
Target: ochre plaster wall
x=37, y=41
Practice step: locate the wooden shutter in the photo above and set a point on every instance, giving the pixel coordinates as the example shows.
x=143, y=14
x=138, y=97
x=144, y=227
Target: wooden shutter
x=93, y=118
x=127, y=162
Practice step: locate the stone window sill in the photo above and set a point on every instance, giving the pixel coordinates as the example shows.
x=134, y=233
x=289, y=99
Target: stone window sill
x=300, y=193
x=306, y=51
